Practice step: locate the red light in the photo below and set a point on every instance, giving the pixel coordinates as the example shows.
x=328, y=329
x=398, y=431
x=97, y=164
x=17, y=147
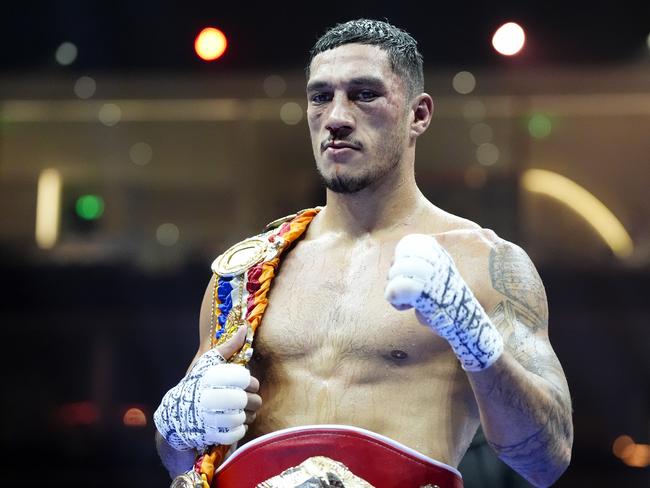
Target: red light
x=134, y=417
x=79, y=413
x=210, y=44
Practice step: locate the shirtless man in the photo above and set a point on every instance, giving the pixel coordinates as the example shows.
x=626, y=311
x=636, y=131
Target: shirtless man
x=391, y=314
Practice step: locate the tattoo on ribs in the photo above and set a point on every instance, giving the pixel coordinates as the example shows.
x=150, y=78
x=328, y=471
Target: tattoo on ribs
x=514, y=275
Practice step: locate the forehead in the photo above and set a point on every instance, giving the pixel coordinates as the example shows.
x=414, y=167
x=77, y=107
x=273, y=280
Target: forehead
x=351, y=61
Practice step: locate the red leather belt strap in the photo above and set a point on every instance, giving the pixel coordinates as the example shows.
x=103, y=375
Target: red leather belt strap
x=377, y=459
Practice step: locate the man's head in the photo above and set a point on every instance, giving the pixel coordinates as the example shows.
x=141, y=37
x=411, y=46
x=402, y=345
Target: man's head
x=402, y=50
x=365, y=104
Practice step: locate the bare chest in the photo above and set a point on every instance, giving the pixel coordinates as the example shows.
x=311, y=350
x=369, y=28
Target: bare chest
x=327, y=311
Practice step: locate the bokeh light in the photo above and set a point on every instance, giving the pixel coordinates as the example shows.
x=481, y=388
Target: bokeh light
x=539, y=126
x=481, y=133
x=509, y=39
x=585, y=204
x=134, y=417
x=141, y=153
x=89, y=207
x=85, y=87
x=487, y=154
x=66, y=53
x=637, y=455
x=291, y=113
x=77, y=414
x=620, y=444
x=110, y=114
x=464, y=82
x=210, y=44
x=48, y=203
x=167, y=234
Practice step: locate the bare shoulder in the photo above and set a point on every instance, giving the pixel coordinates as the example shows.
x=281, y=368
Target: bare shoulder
x=500, y=272
x=469, y=244
x=453, y=232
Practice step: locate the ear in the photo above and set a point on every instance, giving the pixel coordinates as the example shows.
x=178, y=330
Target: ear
x=422, y=110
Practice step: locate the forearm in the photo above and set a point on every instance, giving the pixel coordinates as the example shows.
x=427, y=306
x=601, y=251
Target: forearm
x=526, y=419
x=176, y=462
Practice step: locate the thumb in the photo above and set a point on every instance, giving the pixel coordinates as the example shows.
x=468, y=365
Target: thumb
x=234, y=344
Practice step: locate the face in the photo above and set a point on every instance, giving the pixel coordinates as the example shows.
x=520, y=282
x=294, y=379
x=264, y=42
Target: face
x=357, y=115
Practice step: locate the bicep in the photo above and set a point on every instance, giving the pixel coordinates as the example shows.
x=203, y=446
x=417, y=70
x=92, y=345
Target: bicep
x=521, y=312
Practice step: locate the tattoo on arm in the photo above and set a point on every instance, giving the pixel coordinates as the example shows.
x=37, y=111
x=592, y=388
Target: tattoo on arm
x=514, y=276
x=522, y=319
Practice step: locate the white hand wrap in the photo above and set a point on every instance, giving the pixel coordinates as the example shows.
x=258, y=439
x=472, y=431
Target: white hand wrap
x=206, y=407
x=424, y=276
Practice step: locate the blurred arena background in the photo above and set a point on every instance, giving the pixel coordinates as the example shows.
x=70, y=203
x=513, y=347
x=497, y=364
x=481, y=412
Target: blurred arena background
x=127, y=163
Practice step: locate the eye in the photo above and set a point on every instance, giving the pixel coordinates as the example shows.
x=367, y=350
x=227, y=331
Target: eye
x=366, y=95
x=321, y=97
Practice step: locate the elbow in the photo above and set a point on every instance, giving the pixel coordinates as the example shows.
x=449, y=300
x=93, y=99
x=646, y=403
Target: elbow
x=555, y=467
x=560, y=467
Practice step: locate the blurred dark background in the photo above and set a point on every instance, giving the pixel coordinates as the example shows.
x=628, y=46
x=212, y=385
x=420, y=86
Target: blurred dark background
x=127, y=164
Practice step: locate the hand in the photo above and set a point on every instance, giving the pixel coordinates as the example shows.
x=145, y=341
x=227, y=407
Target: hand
x=212, y=404
x=423, y=276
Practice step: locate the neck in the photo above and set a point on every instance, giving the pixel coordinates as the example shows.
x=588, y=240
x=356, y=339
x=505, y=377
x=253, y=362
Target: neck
x=393, y=200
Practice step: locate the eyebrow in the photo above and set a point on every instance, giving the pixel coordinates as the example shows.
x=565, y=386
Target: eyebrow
x=371, y=81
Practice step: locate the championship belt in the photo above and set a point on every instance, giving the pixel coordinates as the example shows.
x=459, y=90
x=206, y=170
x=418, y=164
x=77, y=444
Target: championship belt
x=332, y=455
x=242, y=280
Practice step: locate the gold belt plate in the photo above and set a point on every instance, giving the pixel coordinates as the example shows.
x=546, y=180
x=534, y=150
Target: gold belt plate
x=240, y=257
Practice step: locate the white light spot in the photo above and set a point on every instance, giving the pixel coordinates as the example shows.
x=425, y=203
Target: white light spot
x=487, y=154
x=509, y=39
x=481, y=133
x=167, y=234
x=291, y=113
x=464, y=82
x=474, y=111
x=110, y=114
x=65, y=54
x=85, y=87
x=647, y=41
x=140, y=153
x=274, y=86
x=48, y=208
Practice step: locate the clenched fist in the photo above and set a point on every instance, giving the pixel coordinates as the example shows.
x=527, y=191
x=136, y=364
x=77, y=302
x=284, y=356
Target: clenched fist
x=212, y=404
x=424, y=277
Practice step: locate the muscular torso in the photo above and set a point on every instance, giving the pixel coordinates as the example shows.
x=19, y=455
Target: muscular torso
x=331, y=349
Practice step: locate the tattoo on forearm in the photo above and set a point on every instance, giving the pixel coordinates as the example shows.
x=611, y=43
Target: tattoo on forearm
x=525, y=456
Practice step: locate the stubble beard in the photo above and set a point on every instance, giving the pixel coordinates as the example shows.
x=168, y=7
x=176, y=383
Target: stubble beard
x=353, y=183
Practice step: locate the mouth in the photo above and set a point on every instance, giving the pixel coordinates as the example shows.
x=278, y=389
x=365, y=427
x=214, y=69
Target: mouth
x=339, y=146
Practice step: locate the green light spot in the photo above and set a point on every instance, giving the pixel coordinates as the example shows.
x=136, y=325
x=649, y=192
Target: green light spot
x=89, y=207
x=539, y=126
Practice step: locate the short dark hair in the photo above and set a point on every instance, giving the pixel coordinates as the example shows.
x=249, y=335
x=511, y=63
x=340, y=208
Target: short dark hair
x=403, y=55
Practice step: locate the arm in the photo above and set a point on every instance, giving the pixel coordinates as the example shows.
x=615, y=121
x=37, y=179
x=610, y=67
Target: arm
x=211, y=405
x=175, y=461
x=523, y=397
x=518, y=383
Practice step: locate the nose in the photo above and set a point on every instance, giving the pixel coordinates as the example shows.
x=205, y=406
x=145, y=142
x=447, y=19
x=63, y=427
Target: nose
x=340, y=119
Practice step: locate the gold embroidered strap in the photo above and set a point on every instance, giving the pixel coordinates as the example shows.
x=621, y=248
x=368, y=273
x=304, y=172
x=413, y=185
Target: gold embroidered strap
x=242, y=280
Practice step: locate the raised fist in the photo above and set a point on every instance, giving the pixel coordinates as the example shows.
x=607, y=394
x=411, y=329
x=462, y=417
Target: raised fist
x=424, y=277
